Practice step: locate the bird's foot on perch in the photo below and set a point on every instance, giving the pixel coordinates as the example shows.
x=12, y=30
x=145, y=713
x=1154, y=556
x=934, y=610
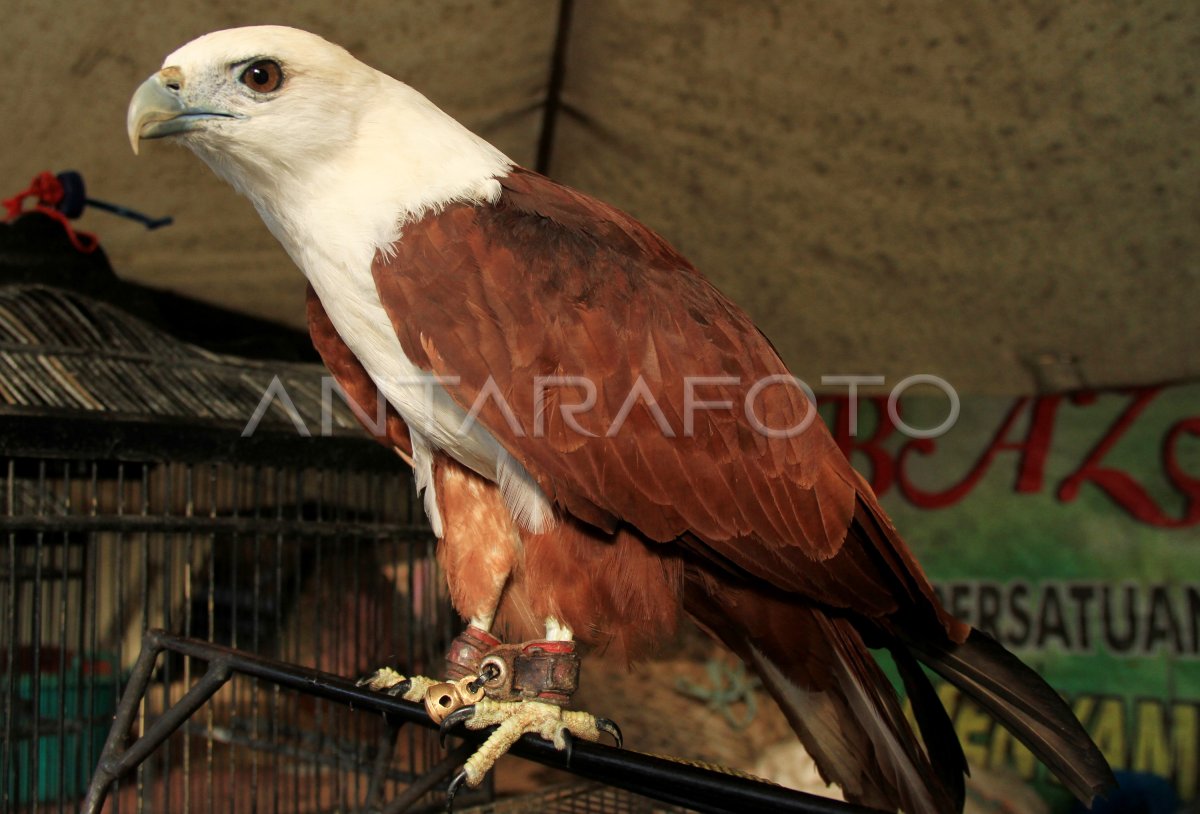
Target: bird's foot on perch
x=440, y=697
x=387, y=680
x=513, y=719
x=519, y=689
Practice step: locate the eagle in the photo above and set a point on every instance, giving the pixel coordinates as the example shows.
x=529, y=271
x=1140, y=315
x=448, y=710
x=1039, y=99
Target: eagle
x=604, y=442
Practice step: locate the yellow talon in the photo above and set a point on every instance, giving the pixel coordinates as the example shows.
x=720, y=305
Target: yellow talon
x=385, y=679
x=513, y=719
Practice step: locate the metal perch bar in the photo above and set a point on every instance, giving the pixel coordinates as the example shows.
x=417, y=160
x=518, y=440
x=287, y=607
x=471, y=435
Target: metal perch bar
x=668, y=781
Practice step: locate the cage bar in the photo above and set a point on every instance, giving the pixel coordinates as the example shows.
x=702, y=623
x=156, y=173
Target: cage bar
x=133, y=499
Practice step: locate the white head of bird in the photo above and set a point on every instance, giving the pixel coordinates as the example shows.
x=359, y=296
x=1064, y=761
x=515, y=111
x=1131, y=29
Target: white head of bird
x=299, y=126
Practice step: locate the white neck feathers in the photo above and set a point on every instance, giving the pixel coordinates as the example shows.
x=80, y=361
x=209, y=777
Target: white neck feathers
x=400, y=158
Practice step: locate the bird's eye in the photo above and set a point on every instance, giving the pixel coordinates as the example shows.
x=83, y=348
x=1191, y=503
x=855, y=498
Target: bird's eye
x=263, y=76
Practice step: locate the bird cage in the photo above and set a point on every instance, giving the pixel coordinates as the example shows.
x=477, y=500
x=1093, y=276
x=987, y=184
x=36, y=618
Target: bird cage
x=146, y=482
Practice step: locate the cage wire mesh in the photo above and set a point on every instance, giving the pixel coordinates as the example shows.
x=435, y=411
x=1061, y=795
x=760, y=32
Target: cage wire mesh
x=131, y=501
x=576, y=798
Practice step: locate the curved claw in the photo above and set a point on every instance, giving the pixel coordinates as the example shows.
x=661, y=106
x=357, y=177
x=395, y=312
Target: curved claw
x=399, y=689
x=452, y=789
x=568, y=744
x=605, y=725
x=461, y=715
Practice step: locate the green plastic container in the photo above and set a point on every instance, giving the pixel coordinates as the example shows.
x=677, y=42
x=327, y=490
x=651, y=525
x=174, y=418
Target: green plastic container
x=88, y=697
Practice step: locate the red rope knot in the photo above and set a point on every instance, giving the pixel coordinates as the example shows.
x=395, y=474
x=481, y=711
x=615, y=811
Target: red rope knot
x=47, y=192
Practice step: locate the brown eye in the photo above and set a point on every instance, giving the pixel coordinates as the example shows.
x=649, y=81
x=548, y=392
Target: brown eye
x=263, y=76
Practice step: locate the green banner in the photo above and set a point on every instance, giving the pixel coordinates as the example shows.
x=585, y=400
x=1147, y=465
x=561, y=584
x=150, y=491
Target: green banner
x=1068, y=526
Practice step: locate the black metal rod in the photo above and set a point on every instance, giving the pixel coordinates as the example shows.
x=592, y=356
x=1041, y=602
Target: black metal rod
x=694, y=787
x=106, y=770
x=426, y=782
x=162, y=728
x=113, y=761
x=384, y=753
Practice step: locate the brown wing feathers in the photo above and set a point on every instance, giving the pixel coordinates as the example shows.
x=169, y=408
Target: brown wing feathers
x=791, y=562
x=572, y=304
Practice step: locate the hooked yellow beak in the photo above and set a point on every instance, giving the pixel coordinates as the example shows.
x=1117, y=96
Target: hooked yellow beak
x=158, y=108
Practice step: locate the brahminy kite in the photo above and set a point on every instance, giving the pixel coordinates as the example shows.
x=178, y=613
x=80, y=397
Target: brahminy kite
x=603, y=440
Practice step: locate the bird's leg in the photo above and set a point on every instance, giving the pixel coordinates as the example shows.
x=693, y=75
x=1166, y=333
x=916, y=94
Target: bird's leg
x=527, y=687
x=462, y=663
x=468, y=650
x=463, y=681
